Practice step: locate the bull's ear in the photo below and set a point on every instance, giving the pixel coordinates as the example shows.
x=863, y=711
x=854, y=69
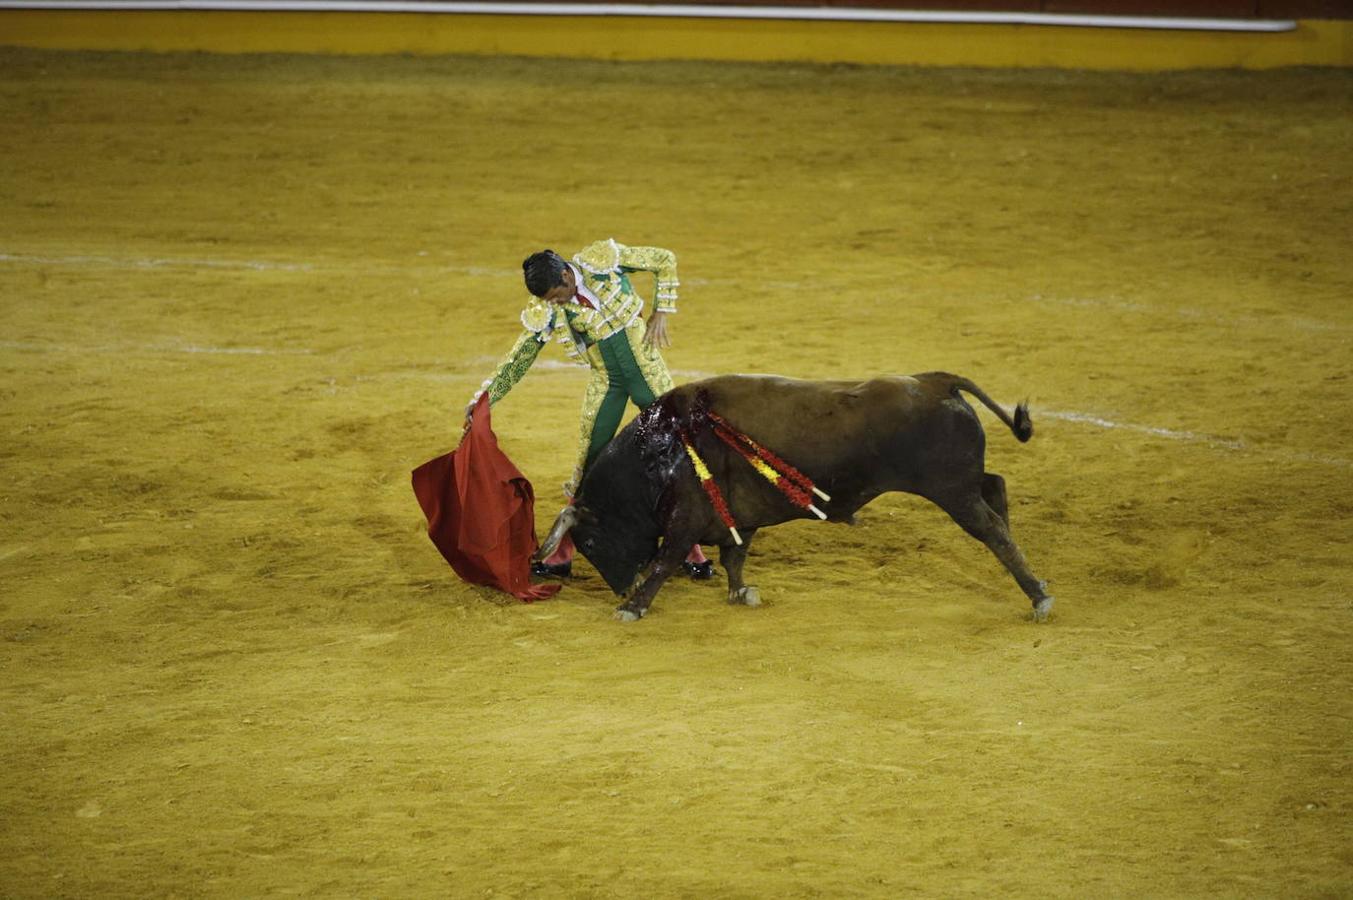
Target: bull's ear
x=585, y=515
x=567, y=519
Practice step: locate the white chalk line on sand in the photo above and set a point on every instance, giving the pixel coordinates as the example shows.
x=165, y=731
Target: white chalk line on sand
x=560, y=367
x=249, y=265
x=1169, y=433
x=1184, y=313
x=1234, y=444
x=155, y=263
x=1194, y=314
x=39, y=347
x=1038, y=413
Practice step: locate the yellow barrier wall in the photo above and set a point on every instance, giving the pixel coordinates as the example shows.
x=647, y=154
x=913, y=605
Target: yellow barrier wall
x=1312, y=43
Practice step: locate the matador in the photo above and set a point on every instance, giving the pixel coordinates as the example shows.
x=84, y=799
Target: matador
x=590, y=306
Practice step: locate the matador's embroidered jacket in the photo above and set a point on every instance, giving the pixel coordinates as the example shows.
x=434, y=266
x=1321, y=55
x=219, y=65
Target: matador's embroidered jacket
x=605, y=267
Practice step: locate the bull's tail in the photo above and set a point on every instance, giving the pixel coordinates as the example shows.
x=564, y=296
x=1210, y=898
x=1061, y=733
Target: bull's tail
x=1021, y=425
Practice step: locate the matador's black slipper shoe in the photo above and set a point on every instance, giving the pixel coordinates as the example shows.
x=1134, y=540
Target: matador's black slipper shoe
x=701, y=571
x=552, y=570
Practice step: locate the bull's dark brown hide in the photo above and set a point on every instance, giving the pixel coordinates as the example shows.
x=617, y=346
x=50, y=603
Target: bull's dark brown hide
x=640, y=501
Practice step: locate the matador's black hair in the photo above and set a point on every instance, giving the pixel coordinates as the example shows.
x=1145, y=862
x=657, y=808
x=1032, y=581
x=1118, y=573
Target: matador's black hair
x=543, y=270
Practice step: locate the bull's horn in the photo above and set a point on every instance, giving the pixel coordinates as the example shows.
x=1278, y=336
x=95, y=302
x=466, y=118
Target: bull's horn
x=567, y=519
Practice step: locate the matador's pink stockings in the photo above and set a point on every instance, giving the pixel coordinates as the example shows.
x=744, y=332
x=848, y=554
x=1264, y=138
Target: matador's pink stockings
x=564, y=553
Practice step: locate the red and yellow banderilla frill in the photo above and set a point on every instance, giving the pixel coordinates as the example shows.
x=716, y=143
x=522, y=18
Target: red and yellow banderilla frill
x=711, y=489
x=797, y=487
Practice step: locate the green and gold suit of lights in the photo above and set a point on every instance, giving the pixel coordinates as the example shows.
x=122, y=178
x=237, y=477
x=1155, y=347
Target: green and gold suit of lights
x=609, y=339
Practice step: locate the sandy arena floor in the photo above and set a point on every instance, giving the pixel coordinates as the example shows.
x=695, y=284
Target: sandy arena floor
x=241, y=298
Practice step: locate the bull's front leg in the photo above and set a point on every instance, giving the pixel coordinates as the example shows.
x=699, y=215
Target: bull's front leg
x=731, y=557
x=668, y=561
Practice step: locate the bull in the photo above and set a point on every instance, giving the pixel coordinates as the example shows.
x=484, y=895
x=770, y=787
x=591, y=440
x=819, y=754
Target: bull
x=640, y=505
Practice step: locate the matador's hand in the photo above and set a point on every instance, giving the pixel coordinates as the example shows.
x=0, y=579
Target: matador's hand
x=655, y=335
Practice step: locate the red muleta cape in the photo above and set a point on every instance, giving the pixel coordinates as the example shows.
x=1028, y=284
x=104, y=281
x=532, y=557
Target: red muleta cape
x=481, y=512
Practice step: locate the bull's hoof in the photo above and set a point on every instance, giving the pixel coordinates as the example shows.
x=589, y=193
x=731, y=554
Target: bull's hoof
x=627, y=614
x=746, y=596
x=1042, y=608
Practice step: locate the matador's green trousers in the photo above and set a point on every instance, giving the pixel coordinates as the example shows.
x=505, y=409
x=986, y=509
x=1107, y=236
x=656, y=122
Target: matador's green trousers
x=623, y=368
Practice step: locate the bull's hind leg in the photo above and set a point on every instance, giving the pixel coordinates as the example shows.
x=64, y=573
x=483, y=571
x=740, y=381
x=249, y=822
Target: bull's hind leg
x=731, y=557
x=993, y=492
x=977, y=518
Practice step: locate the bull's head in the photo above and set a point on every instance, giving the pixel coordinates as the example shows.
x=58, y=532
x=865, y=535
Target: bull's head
x=619, y=546
x=614, y=519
